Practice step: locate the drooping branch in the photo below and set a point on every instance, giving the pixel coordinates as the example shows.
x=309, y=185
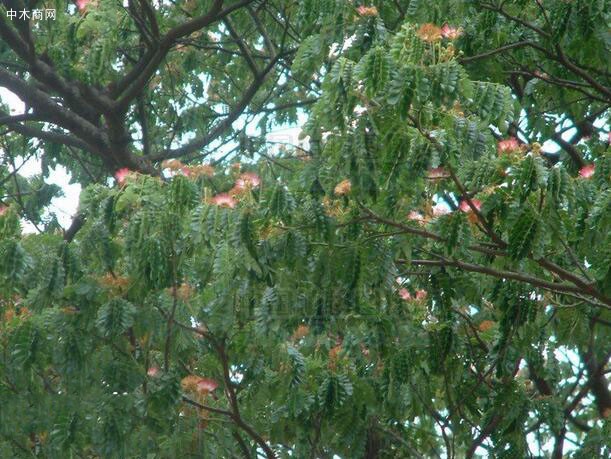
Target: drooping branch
x=578, y=286
x=499, y=274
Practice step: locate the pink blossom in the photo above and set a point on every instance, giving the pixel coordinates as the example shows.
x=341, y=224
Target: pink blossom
x=421, y=294
x=451, y=33
x=247, y=180
x=121, y=175
x=508, y=145
x=437, y=173
x=152, y=372
x=343, y=188
x=82, y=4
x=465, y=207
x=367, y=10
x=440, y=209
x=587, y=171
x=224, y=200
x=404, y=294
x=3, y=210
x=415, y=216
x=207, y=385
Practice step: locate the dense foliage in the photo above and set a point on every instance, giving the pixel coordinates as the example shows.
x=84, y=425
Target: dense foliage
x=423, y=276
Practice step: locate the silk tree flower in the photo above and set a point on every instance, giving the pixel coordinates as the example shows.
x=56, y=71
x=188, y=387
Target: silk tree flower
x=82, y=5
x=429, y=33
x=197, y=170
x=437, y=173
x=198, y=384
x=152, y=372
x=416, y=217
x=451, y=33
x=440, y=210
x=3, y=210
x=507, y=145
x=367, y=10
x=247, y=181
x=224, y=200
x=206, y=385
x=343, y=187
x=486, y=325
x=173, y=164
x=121, y=175
x=587, y=171
x=421, y=294
x=465, y=207
x=405, y=295
x=186, y=171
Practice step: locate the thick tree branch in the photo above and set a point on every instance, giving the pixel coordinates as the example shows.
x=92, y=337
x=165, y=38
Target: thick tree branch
x=47, y=107
x=30, y=132
x=126, y=89
x=234, y=114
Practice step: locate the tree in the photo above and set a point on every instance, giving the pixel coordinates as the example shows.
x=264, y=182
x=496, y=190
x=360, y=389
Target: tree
x=423, y=277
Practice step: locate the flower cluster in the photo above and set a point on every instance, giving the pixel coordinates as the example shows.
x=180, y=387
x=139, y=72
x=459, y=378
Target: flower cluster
x=343, y=188
x=245, y=182
x=367, y=10
x=508, y=146
x=192, y=171
x=199, y=385
x=431, y=33
x=122, y=175
x=587, y=171
x=420, y=295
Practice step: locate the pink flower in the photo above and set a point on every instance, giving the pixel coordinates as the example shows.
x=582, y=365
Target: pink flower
x=587, y=171
x=82, y=5
x=223, y=200
x=343, y=188
x=367, y=10
x=508, y=145
x=152, y=372
x=247, y=180
x=404, y=294
x=429, y=32
x=121, y=175
x=421, y=294
x=451, y=33
x=440, y=209
x=3, y=210
x=539, y=74
x=415, y=216
x=465, y=207
x=206, y=385
x=438, y=173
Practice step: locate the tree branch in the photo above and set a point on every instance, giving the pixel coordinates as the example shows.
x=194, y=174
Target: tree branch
x=217, y=130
